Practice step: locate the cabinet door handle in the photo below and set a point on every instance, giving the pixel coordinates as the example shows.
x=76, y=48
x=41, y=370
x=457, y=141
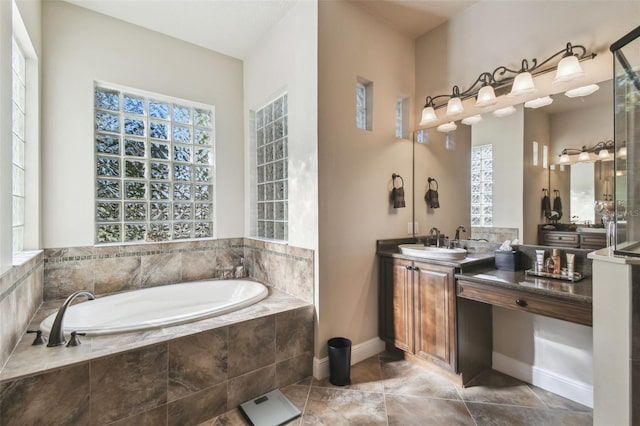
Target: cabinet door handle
x=409, y=267
x=521, y=302
x=415, y=268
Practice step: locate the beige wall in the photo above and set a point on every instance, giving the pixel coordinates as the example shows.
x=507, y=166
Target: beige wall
x=355, y=166
x=286, y=59
x=82, y=46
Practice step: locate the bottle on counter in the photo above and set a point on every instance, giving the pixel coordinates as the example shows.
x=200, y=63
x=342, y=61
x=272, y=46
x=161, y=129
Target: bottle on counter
x=557, y=263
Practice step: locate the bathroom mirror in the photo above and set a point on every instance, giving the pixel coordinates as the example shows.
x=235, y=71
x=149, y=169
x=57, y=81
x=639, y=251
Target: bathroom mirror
x=526, y=150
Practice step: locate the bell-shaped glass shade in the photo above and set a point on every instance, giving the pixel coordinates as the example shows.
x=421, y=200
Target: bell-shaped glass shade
x=486, y=97
x=447, y=127
x=568, y=69
x=582, y=91
x=428, y=116
x=539, y=102
x=472, y=120
x=622, y=152
x=454, y=107
x=564, y=159
x=522, y=85
x=603, y=154
x=503, y=112
x=584, y=156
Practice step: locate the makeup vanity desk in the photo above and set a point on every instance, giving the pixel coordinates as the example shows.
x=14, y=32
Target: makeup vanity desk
x=480, y=288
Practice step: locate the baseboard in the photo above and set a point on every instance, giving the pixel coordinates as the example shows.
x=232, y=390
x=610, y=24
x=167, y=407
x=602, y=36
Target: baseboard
x=359, y=352
x=553, y=382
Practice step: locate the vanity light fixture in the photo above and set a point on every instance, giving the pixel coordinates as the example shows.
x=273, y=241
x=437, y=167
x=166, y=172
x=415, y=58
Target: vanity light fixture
x=583, y=91
x=472, y=120
x=569, y=67
x=447, y=127
x=503, y=112
x=539, y=102
x=599, y=151
x=520, y=80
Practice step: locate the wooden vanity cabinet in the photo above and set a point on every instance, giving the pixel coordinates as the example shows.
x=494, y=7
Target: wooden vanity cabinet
x=417, y=309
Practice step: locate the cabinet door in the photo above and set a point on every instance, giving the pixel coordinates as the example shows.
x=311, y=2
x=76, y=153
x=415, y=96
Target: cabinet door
x=396, y=322
x=434, y=309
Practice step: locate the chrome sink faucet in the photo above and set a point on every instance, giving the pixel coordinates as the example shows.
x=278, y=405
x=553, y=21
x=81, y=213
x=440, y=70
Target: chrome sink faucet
x=435, y=231
x=56, y=337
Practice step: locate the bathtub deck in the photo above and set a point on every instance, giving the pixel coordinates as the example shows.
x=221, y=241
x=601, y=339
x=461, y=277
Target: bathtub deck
x=27, y=360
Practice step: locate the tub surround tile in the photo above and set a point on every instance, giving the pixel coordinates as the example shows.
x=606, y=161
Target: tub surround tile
x=44, y=402
x=197, y=362
x=154, y=417
x=251, y=385
x=295, y=369
x=129, y=383
x=251, y=345
x=294, y=333
x=9, y=333
x=161, y=269
x=198, y=406
x=198, y=265
x=117, y=274
x=63, y=278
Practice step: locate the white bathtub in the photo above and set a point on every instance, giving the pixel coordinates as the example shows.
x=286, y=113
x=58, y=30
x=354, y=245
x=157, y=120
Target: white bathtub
x=158, y=306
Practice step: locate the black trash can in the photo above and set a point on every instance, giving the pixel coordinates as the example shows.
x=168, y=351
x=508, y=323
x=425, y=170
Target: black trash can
x=339, y=361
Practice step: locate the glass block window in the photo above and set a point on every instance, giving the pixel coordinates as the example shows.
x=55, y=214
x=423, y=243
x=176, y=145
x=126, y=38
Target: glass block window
x=364, y=104
x=402, y=118
x=154, y=167
x=272, y=156
x=18, y=163
x=482, y=185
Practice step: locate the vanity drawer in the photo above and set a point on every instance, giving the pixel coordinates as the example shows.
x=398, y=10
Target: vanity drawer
x=550, y=306
x=593, y=241
x=560, y=239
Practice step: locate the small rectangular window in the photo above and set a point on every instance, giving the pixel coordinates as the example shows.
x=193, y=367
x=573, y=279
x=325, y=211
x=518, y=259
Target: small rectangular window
x=272, y=157
x=19, y=144
x=402, y=118
x=364, y=104
x=482, y=185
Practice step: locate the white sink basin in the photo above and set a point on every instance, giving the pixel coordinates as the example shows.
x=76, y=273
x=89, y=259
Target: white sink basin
x=438, y=253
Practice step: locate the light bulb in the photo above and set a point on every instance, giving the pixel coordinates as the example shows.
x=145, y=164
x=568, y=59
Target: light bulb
x=622, y=152
x=472, y=120
x=539, y=102
x=584, y=156
x=564, y=159
x=603, y=154
x=503, y=112
x=582, y=91
x=447, y=127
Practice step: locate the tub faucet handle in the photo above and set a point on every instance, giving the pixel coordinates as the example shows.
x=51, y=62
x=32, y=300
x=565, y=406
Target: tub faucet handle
x=74, y=339
x=40, y=339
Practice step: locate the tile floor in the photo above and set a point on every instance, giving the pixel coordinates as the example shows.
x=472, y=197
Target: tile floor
x=387, y=390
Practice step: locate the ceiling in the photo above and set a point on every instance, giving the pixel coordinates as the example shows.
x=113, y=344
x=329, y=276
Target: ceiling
x=233, y=27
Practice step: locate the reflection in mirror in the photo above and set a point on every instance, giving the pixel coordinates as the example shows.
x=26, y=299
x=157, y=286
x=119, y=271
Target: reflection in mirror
x=526, y=149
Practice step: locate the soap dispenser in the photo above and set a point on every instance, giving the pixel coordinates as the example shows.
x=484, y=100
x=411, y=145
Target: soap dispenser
x=555, y=255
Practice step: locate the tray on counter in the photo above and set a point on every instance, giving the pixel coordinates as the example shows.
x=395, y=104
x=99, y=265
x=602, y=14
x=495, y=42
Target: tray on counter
x=575, y=277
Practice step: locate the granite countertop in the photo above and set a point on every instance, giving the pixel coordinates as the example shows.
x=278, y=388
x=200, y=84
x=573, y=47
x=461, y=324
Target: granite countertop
x=580, y=291
x=28, y=360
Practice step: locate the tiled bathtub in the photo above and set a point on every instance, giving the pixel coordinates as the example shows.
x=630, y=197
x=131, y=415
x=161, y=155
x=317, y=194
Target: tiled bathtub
x=178, y=375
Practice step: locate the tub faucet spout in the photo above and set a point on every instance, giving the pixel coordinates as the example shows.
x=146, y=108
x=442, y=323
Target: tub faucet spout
x=56, y=337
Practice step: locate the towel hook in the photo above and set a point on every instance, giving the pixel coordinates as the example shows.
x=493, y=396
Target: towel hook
x=432, y=180
x=397, y=176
